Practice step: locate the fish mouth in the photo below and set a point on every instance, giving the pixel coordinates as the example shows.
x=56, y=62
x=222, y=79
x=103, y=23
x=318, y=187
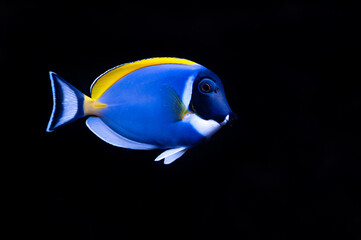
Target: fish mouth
x=225, y=121
x=229, y=118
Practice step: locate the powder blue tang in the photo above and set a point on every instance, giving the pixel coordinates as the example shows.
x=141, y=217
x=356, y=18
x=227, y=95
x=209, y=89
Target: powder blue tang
x=157, y=103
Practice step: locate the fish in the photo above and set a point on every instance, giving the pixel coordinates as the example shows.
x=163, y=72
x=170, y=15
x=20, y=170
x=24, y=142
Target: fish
x=156, y=103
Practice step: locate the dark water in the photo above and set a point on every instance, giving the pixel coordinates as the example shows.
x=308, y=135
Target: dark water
x=289, y=168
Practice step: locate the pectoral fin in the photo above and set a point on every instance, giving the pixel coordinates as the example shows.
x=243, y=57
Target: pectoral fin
x=171, y=155
x=174, y=104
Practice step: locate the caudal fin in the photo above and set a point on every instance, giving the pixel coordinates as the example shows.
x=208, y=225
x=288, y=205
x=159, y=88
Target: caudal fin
x=68, y=103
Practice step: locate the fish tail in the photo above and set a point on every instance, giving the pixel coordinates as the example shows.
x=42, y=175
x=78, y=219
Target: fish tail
x=69, y=104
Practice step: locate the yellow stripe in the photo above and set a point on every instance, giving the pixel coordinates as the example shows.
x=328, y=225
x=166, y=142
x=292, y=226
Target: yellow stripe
x=107, y=79
x=92, y=107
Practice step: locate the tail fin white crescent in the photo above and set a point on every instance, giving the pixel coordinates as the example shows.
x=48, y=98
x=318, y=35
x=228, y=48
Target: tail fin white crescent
x=68, y=103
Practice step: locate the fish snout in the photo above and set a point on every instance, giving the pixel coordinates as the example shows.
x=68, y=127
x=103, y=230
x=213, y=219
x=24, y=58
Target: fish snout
x=232, y=117
x=229, y=118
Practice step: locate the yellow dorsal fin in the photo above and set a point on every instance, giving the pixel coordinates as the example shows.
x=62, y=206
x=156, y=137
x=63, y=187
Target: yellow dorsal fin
x=107, y=79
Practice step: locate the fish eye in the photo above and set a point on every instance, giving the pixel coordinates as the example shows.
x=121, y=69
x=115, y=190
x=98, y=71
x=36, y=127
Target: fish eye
x=206, y=85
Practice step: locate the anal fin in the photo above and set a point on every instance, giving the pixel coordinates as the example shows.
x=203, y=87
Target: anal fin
x=99, y=128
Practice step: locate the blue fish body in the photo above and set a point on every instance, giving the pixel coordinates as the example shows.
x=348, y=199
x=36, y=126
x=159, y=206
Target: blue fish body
x=147, y=105
x=138, y=106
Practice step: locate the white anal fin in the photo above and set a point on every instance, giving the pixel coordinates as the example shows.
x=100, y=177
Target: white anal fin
x=99, y=128
x=171, y=155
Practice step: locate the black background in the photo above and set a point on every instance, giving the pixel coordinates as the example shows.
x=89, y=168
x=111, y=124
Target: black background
x=289, y=168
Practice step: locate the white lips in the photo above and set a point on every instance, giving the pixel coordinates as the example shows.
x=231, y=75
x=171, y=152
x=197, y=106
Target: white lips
x=226, y=119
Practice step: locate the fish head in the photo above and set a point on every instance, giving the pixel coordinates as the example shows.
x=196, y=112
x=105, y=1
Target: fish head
x=209, y=99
